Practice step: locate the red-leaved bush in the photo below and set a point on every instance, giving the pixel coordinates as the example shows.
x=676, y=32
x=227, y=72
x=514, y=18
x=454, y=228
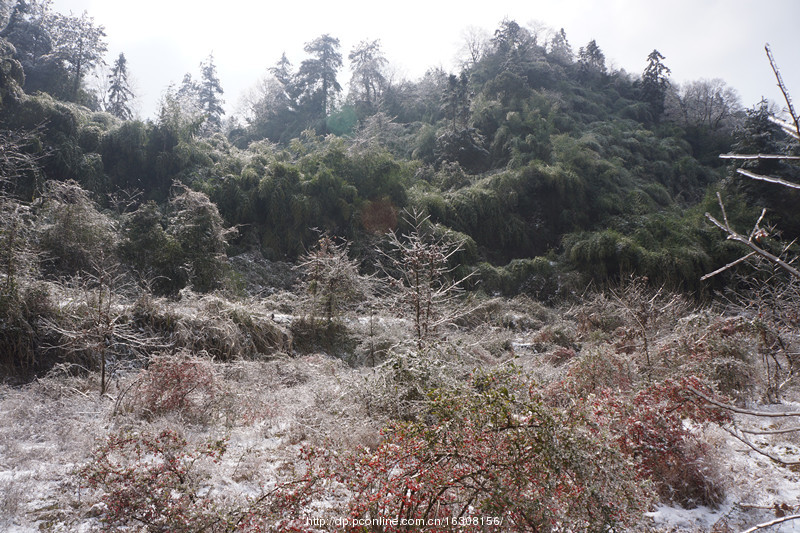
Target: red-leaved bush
x=655, y=423
x=655, y=426
x=496, y=456
x=187, y=386
x=148, y=479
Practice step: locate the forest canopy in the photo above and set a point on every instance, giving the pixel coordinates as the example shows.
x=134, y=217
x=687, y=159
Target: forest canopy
x=534, y=151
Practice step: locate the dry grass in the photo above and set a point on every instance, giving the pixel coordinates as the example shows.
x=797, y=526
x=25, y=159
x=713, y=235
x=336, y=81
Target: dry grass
x=225, y=329
x=48, y=427
x=270, y=407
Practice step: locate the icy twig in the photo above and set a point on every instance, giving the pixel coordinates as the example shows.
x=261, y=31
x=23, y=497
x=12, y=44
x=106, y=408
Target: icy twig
x=760, y=156
x=739, y=410
x=772, y=523
x=783, y=89
x=768, y=179
x=736, y=433
x=734, y=236
x=726, y=267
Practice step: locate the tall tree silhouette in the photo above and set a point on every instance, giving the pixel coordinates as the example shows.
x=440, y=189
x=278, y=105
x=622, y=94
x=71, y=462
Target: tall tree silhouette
x=655, y=82
x=208, y=95
x=591, y=59
x=119, y=91
x=317, y=75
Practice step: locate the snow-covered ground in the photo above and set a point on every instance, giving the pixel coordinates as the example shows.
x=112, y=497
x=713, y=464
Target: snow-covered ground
x=755, y=484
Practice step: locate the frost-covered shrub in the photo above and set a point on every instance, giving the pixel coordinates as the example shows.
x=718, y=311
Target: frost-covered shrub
x=74, y=235
x=151, y=251
x=654, y=422
x=182, y=385
x=498, y=451
x=657, y=426
x=158, y=482
x=198, y=228
x=150, y=480
x=330, y=279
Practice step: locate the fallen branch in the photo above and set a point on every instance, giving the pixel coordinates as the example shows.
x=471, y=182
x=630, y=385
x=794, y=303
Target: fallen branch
x=772, y=523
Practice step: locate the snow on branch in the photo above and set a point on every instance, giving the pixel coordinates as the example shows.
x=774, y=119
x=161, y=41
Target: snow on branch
x=785, y=92
x=739, y=410
x=750, y=242
x=760, y=156
x=772, y=523
x=769, y=179
x=787, y=127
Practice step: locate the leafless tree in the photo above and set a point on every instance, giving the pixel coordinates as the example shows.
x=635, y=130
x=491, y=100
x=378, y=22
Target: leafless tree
x=95, y=326
x=646, y=308
x=420, y=276
x=704, y=103
x=774, y=300
x=474, y=44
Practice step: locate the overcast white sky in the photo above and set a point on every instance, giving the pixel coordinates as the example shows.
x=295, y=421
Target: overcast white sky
x=163, y=39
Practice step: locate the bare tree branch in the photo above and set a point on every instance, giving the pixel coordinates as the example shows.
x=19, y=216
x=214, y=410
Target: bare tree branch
x=783, y=90
x=734, y=236
x=726, y=267
x=760, y=156
x=768, y=179
x=770, y=431
x=772, y=523
x=787, y=127
x=739, y=435
x=739, y=410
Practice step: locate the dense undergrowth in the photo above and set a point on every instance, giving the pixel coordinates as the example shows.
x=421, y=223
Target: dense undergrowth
x=525, y=416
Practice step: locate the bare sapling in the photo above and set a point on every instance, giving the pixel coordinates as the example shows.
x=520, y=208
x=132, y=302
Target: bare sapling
x=419, y=273
x=95, y=325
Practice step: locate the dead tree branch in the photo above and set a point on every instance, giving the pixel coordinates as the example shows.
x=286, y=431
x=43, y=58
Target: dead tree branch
x=748, y=241
x=768, y=179
x=772, y=523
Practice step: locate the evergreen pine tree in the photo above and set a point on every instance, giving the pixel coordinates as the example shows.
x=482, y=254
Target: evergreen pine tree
x=282, y=70
x=655, y=82
x=208, y=91
x=512, y=44
x=317, y=75
x=591, y=58
x=456, y=100
x=119, y=91
x=560, y=49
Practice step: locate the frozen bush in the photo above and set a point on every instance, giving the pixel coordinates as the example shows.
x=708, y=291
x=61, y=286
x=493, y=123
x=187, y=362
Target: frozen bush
x=496, y=450
x=176, y=384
